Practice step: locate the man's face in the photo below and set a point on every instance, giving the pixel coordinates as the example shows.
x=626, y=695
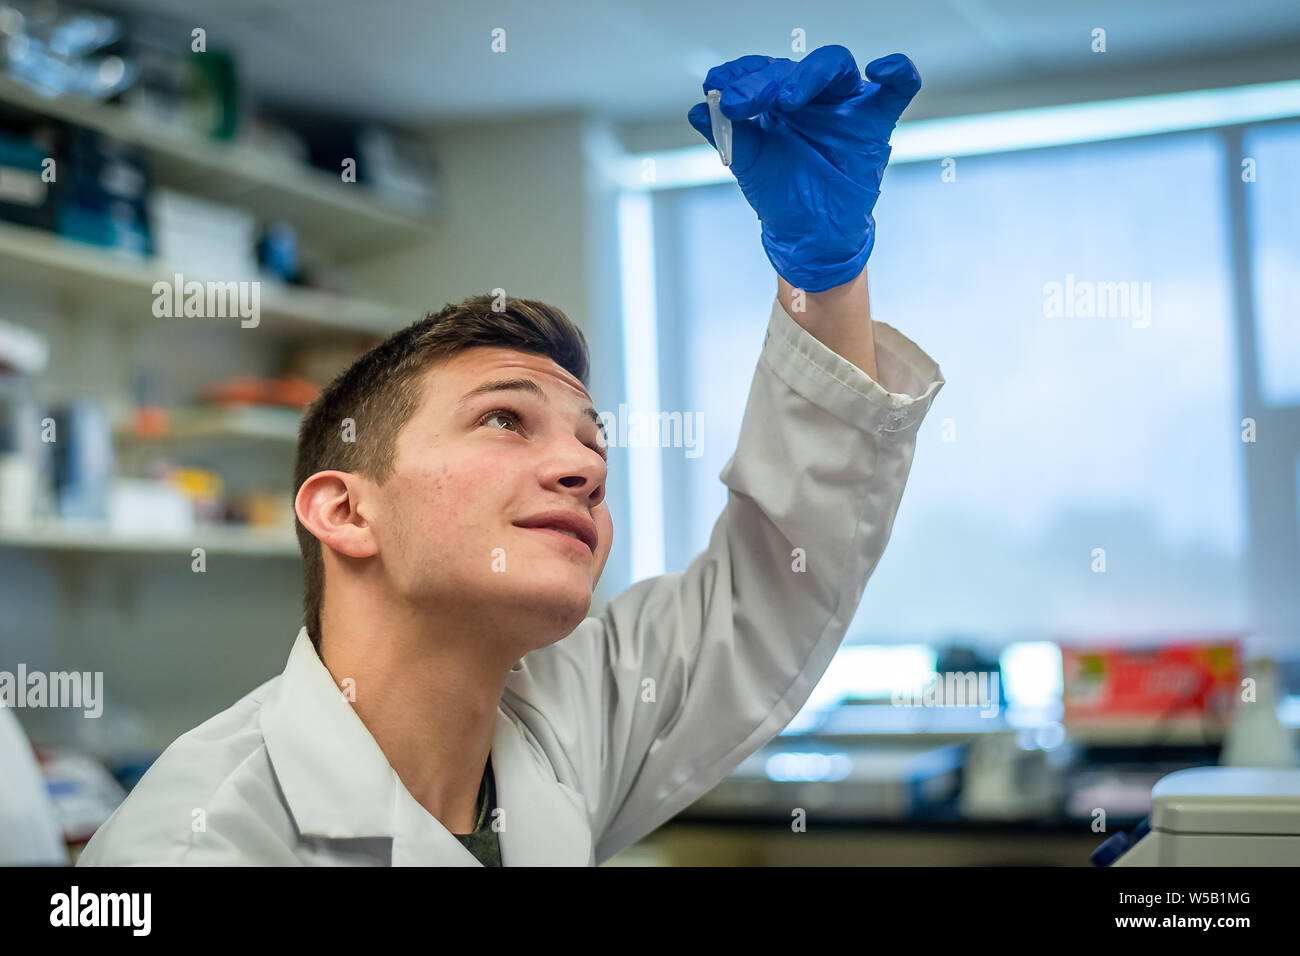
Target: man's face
x=476, y=460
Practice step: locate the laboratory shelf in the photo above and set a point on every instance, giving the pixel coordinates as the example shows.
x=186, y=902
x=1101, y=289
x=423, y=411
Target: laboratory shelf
x=233, y=422
x=344, y=220
x=124, y=283
x=60, y=536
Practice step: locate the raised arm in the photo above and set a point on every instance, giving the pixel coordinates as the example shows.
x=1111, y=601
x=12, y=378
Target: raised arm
x=839, y=318
x=648, y=706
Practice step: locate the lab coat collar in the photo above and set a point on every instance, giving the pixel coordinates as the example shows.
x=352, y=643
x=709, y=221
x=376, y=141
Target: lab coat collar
x=338, y=783
x=336, y=780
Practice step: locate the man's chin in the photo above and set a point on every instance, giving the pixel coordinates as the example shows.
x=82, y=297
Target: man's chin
x=556, y=610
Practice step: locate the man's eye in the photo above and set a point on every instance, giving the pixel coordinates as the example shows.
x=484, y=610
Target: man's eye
x=501, y=413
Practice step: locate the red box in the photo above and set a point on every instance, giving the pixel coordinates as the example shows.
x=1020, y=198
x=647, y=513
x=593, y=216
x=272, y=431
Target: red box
x=1180, y=679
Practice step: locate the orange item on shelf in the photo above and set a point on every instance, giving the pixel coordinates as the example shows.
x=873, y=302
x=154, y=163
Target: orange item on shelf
x=150, y=421
x=289, y=390
x=268, y=510
x=294, y=391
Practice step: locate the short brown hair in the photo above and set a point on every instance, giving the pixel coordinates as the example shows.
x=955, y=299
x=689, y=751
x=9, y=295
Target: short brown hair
x=381, y=390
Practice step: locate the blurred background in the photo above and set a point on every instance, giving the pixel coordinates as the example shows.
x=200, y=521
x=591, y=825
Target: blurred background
x=1091, y=221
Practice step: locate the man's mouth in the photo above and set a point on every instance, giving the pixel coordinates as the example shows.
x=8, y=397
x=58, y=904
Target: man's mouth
x=564, y=534
x=565, y=523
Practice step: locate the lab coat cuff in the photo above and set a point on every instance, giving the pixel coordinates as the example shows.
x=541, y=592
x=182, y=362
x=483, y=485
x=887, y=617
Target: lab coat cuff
x=908, y=377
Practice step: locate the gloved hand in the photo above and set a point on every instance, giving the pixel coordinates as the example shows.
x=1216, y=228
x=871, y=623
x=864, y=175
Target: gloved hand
x=811, y=160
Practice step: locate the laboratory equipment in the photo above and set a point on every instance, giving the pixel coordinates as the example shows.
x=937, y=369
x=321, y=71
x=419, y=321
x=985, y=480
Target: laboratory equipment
x=1005, y=780
x=1214, y=816
x=843, y=782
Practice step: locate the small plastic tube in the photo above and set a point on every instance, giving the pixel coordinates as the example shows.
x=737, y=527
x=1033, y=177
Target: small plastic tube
x=721, y=125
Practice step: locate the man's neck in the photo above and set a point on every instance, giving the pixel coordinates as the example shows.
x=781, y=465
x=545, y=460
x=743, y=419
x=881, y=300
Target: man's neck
x=428, y=693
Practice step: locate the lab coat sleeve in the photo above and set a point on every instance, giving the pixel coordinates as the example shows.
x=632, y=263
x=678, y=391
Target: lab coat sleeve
x=649, y=705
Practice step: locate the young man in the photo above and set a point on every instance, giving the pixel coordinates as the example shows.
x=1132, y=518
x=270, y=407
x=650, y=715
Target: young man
x=448, y=701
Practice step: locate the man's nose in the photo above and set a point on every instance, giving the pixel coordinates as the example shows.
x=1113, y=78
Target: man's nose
x=579, y=468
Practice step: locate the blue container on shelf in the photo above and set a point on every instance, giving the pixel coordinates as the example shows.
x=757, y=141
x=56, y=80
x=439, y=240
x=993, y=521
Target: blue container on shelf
x=83, y=462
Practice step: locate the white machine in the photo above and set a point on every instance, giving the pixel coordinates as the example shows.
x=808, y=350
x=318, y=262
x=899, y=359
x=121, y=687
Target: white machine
x=1215, y=816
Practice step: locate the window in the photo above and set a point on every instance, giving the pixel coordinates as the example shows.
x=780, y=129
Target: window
x=1116, y=428
x=1273, y=199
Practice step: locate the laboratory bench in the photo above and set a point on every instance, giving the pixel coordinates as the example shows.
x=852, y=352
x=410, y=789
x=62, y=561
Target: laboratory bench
x=894, y=801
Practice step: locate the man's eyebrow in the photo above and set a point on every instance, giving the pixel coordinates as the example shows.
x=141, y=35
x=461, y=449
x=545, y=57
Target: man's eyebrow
x=504, y=385
x=521, y=385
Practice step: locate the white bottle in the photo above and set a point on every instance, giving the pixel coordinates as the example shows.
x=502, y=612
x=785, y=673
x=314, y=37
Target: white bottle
x=1256, y=737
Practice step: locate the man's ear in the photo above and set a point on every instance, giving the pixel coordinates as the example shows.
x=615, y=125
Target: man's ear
x=327, y=506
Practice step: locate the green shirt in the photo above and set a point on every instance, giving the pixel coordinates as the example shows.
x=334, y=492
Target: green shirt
x=483, y=842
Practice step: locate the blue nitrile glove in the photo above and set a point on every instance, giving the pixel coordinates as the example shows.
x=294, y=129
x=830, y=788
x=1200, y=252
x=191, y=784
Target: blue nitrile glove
x=811, y=159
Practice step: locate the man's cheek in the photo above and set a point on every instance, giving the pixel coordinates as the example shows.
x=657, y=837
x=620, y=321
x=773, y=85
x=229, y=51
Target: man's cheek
x=432, y=496
x=605, y=529
x=606, y=545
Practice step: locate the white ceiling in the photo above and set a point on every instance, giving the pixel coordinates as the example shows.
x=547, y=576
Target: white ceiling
x=645, y=59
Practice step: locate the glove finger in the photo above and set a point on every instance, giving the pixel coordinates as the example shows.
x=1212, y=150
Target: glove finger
x=829, y=70
x=720, y=77
x=699, y=118
x=755, y=92
x=898, y=81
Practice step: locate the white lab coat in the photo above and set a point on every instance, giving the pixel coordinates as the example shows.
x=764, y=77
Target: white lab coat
x=30, y=834
x=585, y=764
